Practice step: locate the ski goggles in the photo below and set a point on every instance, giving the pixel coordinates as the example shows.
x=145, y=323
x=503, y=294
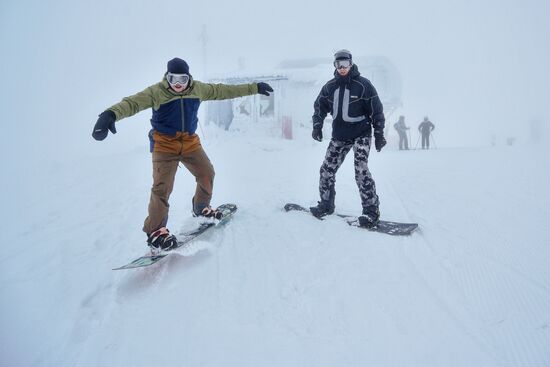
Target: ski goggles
x=342, y=64
x=174, y=79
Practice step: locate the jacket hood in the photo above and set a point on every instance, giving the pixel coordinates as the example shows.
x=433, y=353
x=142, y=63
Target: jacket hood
x=353, y=73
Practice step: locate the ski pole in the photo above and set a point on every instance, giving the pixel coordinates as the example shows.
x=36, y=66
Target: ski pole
x=417, y=142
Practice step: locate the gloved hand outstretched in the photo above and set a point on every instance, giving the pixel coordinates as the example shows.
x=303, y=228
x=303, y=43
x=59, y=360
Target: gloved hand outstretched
x=264, y=88
x=379, y=141
x=317, y=134
x=105, y=122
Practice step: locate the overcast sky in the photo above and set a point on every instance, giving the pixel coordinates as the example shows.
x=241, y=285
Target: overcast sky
x=476, y=68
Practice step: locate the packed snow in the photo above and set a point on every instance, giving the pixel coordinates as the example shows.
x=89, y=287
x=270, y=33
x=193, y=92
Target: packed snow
x=470, y=288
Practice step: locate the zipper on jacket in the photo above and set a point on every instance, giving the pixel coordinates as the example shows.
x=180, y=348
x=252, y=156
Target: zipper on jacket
x=182, y=116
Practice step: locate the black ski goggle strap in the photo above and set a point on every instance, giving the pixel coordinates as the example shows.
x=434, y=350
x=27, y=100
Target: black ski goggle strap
x=174, y=79
x=342, y=64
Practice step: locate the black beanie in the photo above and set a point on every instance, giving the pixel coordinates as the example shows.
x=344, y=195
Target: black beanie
x=178, y=66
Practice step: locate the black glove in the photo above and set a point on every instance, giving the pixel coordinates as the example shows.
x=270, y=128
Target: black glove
x=379, y=141
x=317, y=134
x=264, y=88
x=105, y=122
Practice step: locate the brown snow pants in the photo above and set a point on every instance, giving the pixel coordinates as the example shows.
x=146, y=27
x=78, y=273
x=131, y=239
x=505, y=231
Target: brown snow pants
x=165, y=166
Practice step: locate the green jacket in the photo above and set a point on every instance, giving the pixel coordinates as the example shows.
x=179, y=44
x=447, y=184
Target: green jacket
x=177, y=112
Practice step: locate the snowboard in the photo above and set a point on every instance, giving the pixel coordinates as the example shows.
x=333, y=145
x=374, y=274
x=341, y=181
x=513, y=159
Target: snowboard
x=383, y=226
x=183, y=238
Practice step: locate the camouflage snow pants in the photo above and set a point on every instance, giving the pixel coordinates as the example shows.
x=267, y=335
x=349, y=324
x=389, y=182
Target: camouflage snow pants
x=336, y=153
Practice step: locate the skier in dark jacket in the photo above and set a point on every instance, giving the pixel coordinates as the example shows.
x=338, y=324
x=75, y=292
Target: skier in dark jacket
x=402, y=131
x=175, y=102
x=426, y=127
x=357, y=114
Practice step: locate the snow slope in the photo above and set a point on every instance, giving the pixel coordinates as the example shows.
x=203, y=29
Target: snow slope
x=471, y=288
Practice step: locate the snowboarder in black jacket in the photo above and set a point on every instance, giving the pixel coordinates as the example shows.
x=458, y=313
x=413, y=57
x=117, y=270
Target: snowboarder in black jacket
x=357, y=115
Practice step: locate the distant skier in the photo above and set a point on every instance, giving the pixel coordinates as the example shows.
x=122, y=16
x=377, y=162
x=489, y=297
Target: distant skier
x=356, y=111
x=426, y=127
x=402, y=131
x=175, y=101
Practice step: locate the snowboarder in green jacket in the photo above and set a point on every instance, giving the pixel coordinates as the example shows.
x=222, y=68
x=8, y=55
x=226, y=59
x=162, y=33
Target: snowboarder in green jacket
x=175, y=102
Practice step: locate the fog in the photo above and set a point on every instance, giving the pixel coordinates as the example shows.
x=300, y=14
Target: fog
x=478, y=70
x=474, y=277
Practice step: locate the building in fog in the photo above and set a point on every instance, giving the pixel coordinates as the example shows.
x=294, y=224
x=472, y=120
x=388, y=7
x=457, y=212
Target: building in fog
x=297, y=83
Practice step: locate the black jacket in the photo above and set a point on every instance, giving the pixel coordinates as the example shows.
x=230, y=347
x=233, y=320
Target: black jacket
x=426, y=127
x=354, y=105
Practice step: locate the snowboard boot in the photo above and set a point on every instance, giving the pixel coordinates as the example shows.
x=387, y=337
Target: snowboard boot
x=370, y=217
x=208, y=212
x=322, y=209
x=161, y=239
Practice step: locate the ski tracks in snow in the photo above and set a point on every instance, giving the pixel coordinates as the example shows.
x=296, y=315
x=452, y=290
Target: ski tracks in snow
x=500, y=297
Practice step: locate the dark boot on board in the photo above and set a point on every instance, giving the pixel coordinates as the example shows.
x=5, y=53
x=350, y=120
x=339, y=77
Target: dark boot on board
x=370, y=217
x=161, y=239
x=205, y=211
x=208, y=212
x=322, y=209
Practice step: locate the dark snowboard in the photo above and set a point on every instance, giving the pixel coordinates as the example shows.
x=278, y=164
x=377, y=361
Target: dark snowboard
x=392, y=228
x=184, y=238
